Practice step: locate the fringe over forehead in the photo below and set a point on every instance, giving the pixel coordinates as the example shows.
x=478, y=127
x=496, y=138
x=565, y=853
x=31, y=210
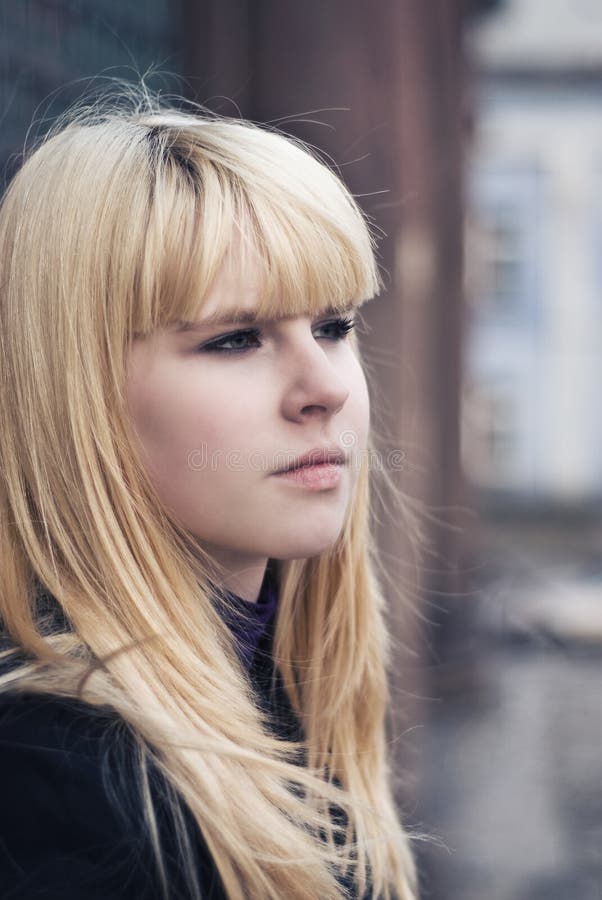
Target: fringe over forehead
x=182, y=195
x=227, y=191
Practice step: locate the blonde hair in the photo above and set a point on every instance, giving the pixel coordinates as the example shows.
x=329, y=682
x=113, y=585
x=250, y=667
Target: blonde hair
x=115, y=225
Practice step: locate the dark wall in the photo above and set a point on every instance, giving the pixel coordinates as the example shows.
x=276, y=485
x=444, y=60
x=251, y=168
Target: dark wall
x=50, y=49
x=380, y=87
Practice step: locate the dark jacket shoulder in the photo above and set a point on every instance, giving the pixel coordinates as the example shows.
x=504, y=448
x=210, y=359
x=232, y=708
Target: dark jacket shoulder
x=71, y=810
x=71, y=815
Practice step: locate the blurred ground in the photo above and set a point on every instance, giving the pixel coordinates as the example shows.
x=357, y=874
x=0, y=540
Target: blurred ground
x=512, y=762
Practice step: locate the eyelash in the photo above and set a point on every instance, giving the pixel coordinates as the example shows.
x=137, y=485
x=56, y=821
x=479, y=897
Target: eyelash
x=343, y=326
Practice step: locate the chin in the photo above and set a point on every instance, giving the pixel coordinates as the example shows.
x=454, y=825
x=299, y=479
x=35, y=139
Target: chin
x=306, y=548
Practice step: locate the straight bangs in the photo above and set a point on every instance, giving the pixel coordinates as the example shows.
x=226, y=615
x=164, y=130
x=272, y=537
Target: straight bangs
x=119, y=224
x=230, y=194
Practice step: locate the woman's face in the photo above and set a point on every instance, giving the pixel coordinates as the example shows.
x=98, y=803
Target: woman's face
x=215, y=426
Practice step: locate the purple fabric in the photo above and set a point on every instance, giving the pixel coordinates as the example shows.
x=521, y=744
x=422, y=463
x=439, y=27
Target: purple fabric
x=249, y=621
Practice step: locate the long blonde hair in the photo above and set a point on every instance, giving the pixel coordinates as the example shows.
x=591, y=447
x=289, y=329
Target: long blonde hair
x=115, y=225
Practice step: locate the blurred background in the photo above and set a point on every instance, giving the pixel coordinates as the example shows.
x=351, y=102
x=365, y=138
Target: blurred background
x=471, y=133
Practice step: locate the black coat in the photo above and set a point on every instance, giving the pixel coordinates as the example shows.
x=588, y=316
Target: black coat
x=70, y=811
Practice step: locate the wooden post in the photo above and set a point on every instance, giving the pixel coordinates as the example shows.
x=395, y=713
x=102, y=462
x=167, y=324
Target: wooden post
x=386, y=78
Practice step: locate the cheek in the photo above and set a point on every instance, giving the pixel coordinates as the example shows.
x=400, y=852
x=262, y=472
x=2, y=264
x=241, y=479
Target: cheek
x=178, y=421
x=359, y=406
x=160, y=413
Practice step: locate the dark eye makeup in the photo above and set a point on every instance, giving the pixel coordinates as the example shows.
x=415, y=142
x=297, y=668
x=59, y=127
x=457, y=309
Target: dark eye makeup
x=238, y=340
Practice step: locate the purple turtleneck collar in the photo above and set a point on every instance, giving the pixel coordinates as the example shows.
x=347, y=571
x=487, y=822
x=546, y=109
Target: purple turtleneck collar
x=249, y=621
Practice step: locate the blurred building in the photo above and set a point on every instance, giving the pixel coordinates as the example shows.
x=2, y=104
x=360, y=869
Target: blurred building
x=512, y=773
x=50, y=50
x=532, y=423
x=379, y=88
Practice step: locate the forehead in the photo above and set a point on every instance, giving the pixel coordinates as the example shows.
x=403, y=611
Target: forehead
x=238, y=316
x=236, y=297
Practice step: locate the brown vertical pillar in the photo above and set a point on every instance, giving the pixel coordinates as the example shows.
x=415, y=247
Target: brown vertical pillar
x=385, y=78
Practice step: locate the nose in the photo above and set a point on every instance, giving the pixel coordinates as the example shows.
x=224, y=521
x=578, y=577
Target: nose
x=315, y=387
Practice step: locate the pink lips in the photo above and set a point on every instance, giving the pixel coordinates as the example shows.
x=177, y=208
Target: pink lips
x=317, y=470
x=316, y=457
x=315, y=478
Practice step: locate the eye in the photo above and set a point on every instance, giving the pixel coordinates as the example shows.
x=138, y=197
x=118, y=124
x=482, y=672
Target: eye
x=339, y=328
x=238, y=342
x=250, y=338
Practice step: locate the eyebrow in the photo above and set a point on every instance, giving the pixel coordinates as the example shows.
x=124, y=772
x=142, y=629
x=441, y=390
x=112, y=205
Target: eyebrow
x=243, y=316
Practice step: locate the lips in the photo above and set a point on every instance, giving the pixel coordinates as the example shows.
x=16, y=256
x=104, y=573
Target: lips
x=317, y=456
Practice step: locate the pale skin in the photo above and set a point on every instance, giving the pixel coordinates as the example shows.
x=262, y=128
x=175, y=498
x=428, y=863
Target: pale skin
x=214, y=426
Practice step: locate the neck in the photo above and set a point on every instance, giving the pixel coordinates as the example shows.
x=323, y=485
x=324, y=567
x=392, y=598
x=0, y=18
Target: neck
x=246, y=584
x=240, y=576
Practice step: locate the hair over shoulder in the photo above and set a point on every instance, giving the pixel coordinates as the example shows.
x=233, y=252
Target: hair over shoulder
x=117, y=223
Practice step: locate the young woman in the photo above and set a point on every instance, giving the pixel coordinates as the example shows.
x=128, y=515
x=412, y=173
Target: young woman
x=192, y=683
